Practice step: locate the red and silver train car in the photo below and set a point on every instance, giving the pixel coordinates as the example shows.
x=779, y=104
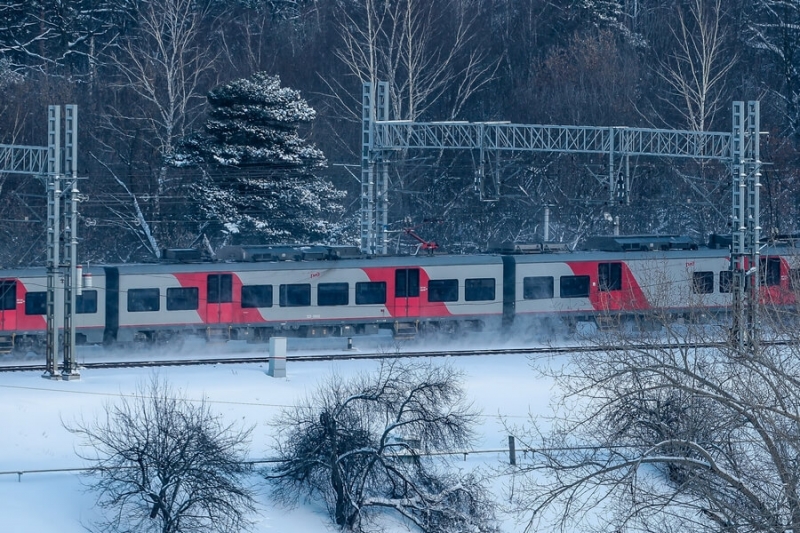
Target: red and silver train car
x=254, y=300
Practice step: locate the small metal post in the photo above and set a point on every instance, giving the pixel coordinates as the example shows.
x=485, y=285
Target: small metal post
x=512, y=451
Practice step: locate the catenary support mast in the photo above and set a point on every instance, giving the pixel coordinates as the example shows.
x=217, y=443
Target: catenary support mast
x=58, y=169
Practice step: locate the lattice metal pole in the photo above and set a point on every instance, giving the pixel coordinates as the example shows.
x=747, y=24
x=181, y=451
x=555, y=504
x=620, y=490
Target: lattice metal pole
x=753, y=172
x=367, y=170
x=738, y=227
x=71, y=281
x=382, y=184
x=612, y=177
x=55, y=288
x=746, y=226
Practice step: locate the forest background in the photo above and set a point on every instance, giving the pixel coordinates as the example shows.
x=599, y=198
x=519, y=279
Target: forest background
x=141, y=72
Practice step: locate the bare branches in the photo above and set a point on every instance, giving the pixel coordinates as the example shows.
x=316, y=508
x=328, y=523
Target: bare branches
x=696, y=71
x=357, y=445
x=396, y=42
x=162, y=463
x=669, y=438
x=164, y=63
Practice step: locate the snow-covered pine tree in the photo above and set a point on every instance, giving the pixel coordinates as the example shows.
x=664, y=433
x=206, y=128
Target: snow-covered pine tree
x=257, y=182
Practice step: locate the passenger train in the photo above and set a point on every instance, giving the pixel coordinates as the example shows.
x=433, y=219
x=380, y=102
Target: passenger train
x=254, y=293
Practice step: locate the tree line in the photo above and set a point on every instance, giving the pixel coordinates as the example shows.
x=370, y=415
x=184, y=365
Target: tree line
x=142, y=72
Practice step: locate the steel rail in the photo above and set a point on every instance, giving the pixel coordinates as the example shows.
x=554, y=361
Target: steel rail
x=264, y=358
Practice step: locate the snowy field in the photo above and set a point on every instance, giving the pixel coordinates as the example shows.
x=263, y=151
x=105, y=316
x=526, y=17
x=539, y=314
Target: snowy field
x=33, y=438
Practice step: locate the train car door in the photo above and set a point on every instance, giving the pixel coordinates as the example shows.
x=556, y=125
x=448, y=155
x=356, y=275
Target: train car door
x=8, y=304
x=406, y=292
x=609, y=284
x=219, y=298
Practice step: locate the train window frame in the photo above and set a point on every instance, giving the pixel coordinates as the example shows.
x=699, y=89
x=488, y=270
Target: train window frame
x=254, y=296
x=370, y=292
x=86, y=302
x=703, y=282
x=726, y=281
x=183, y=298
x=295, y=295
x=574, y=286
x=609, y=276
x=219, y=288
x=8, y=294
x=532, y=288
x=479, y=289
x=332, y=294
x=443, y=290
x=143, y=300
x=36, y=303
x=406, y=283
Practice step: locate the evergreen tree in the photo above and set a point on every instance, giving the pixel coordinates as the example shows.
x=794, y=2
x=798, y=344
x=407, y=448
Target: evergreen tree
x=258, y=181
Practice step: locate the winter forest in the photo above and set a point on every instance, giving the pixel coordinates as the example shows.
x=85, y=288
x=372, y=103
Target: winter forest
x=212, y=122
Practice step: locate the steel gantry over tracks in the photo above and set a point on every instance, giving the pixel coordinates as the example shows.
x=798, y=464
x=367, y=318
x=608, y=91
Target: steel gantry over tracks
x=739, y=149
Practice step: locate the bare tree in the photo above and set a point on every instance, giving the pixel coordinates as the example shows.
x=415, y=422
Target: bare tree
x=695, y=72
x=405, y=44
x=663, y=431
x=164, y=66
x=353, y=444
x=163, y=463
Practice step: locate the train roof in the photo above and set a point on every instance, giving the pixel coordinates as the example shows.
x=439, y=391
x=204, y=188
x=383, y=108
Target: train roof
x=323, y=258
x=366, y=262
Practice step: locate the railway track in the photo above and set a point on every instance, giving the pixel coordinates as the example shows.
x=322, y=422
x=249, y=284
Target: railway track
x=351, y=355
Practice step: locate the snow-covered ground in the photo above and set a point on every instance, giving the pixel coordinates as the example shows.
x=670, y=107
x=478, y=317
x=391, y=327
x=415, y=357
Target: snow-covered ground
x=32, y=412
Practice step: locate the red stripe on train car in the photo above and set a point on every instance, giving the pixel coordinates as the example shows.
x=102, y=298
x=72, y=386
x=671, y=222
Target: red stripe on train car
x=426, y=308
x=225, y=313
x=629, y=298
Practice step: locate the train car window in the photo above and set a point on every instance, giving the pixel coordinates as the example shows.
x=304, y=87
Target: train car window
x=726, y=281
x=86, y=303
x=537, y=287
x=370, y=292
x=770, y=271
x=702, y=282
x=256, y=296
x=479, y=289
x=609, y=276
x=8, y=295
x=182, y=298
x=295, y=295
x=141, y=300
x=220, y=288
x=574, y=287
x=333, y=294
x=443, y=290
x=406, y=283
x=36, y=303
